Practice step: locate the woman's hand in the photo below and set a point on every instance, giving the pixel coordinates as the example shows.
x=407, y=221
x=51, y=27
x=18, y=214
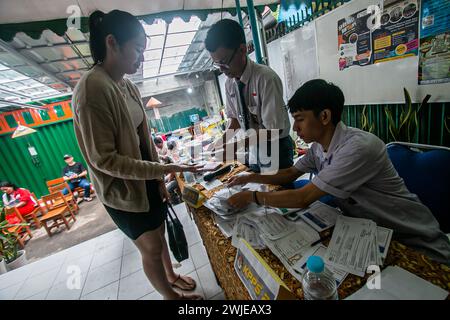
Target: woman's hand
x=163, y=191
x=183, y=168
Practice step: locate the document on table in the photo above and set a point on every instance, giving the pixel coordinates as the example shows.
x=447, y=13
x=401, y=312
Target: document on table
x=291, y=248
x=320, y=250
x=353, y=245
x=247, y=230
x=273, y=225
x=225, y=226
x=399, y=284
x=209, y=185
x=320, y=216
x=384, y=236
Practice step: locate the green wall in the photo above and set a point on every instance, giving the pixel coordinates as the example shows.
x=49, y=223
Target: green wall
x=176, y=121
x=51, y=143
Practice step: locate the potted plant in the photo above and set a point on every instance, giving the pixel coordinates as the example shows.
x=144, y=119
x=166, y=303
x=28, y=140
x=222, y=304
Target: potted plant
x=408, y=119
x=9, y=247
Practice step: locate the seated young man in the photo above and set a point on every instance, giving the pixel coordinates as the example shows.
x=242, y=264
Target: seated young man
x=353, y=166
x=75, y=176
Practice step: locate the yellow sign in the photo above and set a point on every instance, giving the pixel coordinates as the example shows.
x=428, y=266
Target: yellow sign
x=258, y=278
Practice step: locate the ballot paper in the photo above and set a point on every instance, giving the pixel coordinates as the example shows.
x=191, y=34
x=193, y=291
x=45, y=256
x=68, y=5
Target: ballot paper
x=272, y=225
x=291, y=248
x=209, y=185
x=225, y=225
x=353, y=246
x=320, y=250
x=320, y=216
x=384, y=236
x=246, y=229
x=399, y=284
x=251, y=186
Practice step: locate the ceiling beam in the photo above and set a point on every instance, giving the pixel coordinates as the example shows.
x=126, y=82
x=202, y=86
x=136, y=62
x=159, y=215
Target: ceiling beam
x=57, y=45
x=14, y=93
x=62, y=60
x=21, y=105
x=178, y=73
x=163, y=47
x=75, y=48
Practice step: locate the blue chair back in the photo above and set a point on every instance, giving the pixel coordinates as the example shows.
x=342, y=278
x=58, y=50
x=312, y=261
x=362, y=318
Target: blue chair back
x=427, y=174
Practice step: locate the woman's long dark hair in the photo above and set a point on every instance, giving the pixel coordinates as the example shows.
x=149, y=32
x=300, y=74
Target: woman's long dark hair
x=122, y=25
x=7, y=184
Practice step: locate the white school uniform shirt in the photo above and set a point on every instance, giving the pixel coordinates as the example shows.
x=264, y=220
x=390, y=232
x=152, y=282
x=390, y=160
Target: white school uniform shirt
x=357, y=171
x=263, y=94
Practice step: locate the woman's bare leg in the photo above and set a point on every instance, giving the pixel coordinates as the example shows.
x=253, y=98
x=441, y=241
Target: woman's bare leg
x=150, y=246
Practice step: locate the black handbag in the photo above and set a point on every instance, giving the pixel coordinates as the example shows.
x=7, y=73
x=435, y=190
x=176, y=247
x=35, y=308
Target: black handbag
x=177, y=239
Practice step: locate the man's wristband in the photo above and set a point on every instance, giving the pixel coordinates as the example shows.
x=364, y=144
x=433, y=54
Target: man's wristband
x=255, y=198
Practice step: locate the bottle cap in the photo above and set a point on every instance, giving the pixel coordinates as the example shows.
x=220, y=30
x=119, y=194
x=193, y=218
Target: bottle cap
x=315, y=264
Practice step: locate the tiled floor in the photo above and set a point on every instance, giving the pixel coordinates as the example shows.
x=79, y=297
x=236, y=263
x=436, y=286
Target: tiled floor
x=107, y=267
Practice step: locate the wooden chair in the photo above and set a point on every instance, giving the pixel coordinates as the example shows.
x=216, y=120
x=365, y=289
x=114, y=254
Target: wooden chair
x=22, y=232
x=70, y=198
x=56, y=213
x=32, y=217
x=58, y=181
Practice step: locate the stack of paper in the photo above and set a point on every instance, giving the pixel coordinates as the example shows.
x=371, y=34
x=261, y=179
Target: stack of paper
x=320, y=250
x=247, y=229
x=354, y=245
x=396, y=283
x=289, y=242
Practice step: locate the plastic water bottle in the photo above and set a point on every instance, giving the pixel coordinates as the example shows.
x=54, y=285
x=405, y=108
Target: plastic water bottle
x=318, y=282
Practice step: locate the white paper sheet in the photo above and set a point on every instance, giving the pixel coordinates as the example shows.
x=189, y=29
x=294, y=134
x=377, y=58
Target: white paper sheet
x=384, y=236
x=248, y=230
x=320, y=250
x=399, y=284
x=320, y=216
x=353, y=245
x=293, y=246
x=273, y=226
x=209, y=185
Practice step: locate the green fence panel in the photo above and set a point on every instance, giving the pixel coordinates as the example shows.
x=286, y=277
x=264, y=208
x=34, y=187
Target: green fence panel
x=51, y=143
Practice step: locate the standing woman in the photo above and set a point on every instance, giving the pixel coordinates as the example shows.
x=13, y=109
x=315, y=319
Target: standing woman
x=113, y=135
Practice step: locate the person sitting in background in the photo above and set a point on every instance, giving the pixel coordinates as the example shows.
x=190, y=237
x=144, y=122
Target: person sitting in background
x=173, y=151
x=20, y=198
x=75, y=176
x=161, y=147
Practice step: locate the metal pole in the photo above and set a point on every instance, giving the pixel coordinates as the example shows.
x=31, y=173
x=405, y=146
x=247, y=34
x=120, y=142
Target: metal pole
x=239, y=13
x=254, y=25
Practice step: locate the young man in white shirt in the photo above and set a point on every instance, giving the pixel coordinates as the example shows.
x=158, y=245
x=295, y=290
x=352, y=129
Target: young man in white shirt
x=254, y=95
x=353, y=166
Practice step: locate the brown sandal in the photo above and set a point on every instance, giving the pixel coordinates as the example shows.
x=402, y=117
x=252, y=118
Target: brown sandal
x=187, y=284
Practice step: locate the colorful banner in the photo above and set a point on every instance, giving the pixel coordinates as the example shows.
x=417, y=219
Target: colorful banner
x=354, y=40
x=434, y=58
x=398, y=36
x=376, y=34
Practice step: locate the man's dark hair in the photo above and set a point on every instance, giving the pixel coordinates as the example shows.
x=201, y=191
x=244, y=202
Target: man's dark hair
x=225, y=33
x=7, y=184
x=157, y=140
x=171, y=145
x=318, y=95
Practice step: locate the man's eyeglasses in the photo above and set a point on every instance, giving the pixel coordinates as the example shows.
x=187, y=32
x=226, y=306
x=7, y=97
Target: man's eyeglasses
x=219, y=65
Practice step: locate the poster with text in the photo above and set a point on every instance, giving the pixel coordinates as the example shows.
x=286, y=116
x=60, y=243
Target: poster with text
x=398, y=34
x=354, y=40
x=434, y=53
